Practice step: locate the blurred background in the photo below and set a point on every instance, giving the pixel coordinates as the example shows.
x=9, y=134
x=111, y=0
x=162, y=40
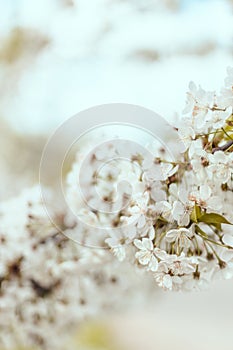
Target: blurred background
x=58, y=57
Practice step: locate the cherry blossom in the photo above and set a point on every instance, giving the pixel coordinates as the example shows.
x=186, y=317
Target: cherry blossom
x=221, y=166
x=180, y=236
x=146, y=255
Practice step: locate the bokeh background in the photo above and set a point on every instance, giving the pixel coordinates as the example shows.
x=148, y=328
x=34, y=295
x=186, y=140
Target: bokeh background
x=58, y=57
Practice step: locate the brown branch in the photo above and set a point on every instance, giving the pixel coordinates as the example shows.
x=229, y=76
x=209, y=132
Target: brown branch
x=224, y=147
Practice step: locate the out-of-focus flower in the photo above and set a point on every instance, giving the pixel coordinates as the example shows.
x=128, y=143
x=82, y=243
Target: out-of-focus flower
x=48, y=284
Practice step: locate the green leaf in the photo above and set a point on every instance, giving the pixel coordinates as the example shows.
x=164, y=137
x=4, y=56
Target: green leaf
x=214, y=219
x=217, y=226
x=196, y=214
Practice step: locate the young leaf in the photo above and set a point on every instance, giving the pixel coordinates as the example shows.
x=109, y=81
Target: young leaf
x=214, y=219
x=196, y=214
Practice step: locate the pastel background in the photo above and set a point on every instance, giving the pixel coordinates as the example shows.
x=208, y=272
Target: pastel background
x=58, y=57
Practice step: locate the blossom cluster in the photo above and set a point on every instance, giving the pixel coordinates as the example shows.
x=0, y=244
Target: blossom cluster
x=48, y=284
x=176, y=216
x=154, y=218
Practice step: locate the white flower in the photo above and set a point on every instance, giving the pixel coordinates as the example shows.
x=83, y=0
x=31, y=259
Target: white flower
x=167, y=281
x=146, y=255
x=221, y=166
x=217, y=118
x=198, y=160
x=224, y=270
x=198, y=103
x=196, y=149
x=117, y=247
x=161, y=171
x=146, y=231
x=173, y=271
x=164, y=280
x=181, y=204
x=164, y=209
x=204, y=198
x=181, y=236
x=138, y=211
x=187, y=134
x=155, y=189
x=119, y=239
x=181, y=212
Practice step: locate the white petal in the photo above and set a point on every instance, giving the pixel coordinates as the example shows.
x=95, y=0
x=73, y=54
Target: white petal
x=147, y=244
x=184, y=220
x=228, y=239
x=138, y=244
x=220, y=157
x=141, y=221
x=178, y=209
x=120, y=253
x=205, y=192
x=153, y=266
x=167, y=282
x=151, y=233
x=172, y=235
x=186, y=232
x=143, y=257
x=161, y=254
